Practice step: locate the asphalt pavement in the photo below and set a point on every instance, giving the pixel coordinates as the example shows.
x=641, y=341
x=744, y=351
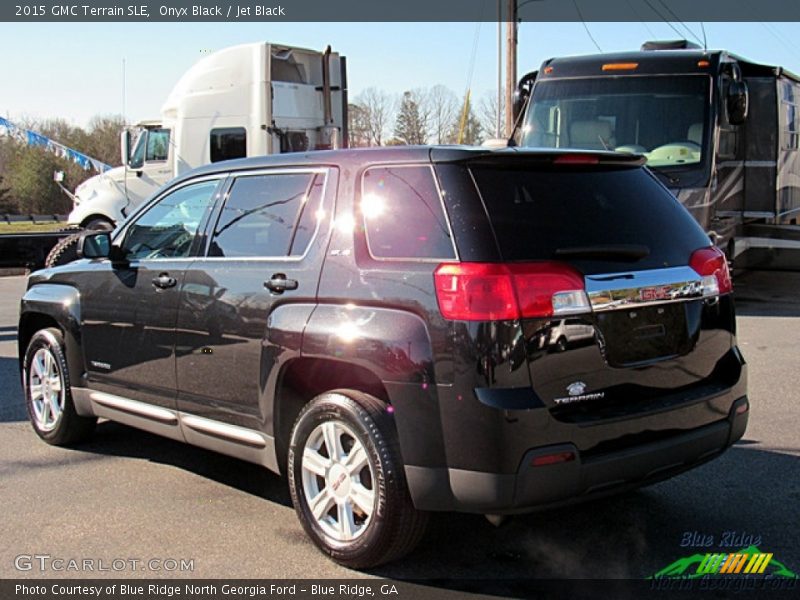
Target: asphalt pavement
x=133, y=496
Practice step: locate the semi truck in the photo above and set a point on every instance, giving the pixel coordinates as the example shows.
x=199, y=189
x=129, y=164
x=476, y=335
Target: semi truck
x=720, y=131
x=246, y=100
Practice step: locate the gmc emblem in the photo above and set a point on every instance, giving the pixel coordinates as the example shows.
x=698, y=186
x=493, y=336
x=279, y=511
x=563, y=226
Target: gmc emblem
x=655, y=293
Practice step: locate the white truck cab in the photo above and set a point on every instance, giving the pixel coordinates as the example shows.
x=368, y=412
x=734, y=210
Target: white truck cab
x=246, y=100
x=107, y=198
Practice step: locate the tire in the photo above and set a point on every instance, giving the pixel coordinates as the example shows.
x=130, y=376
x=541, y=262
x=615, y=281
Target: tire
x=561, y=344
x=48, y=396
x=353, y=421
x=99, y=224
x=65, y=251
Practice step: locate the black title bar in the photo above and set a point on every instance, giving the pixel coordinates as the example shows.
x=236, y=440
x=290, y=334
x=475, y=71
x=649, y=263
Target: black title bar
x=400, y=10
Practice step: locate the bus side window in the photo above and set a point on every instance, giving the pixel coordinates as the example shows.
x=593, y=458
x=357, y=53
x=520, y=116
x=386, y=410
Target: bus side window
x=728, y=134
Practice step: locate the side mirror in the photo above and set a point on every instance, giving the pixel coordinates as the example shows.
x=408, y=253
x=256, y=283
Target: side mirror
x=522, y=93
x=737, y=102
x=94, y=244
x=520, y=99
x=125, y=146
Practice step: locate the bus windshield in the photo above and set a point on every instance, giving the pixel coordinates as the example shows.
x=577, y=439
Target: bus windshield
x=663, y=118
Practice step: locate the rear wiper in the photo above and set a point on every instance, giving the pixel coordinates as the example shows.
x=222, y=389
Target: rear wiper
x=631, y=252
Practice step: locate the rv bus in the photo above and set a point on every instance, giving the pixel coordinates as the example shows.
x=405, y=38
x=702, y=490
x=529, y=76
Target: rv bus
x=721, y=132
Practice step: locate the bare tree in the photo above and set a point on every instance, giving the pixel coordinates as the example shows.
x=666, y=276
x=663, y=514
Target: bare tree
x=378, y=107
x=487, y=113
x=358, y=126
x=441, y=106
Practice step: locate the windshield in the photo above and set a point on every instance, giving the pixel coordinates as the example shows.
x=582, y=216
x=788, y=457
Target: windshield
x=661, y=117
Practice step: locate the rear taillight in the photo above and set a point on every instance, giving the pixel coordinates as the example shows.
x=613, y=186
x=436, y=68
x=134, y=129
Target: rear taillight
x=710, y=263
x=496, y=291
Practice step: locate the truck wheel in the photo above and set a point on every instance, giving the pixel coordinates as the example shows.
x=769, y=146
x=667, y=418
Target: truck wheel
x=99, y=224
x=47, y=392
x=347, y=481
x=65, y=251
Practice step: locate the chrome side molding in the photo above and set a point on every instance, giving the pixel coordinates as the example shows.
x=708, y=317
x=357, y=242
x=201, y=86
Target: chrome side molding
x=240, y=442
x=141, y=409
x=234, y=433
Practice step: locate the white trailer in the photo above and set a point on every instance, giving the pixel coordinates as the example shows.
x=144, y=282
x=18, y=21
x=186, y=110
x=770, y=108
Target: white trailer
x=247, y=100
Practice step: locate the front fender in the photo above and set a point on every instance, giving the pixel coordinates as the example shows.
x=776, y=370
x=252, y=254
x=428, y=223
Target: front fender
x=59, y=303
x=107, y=203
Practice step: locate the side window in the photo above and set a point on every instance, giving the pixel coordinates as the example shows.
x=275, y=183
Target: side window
x=309, y=217
x=168, y=228
x=137, y=155
x=157, y=144
x=403, y=214
x=261, y=214
x=228, y=143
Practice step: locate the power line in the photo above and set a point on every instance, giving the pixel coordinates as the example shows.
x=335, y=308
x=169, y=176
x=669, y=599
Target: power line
x=775, y=33
x=663, y=18
x=639, y=17
x=586, y=27
x=686, y=27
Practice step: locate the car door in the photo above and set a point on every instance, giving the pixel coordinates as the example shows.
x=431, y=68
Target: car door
x=265, y=250
x=129, y=306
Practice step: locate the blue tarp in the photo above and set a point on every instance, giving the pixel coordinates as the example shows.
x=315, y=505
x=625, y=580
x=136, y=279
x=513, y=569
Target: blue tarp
x=33, y=138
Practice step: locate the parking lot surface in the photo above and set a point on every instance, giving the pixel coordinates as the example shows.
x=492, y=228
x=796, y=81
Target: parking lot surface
x=133, y=496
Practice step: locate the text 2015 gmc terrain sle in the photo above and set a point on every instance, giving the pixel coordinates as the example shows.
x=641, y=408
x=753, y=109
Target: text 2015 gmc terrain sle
x=401, y=331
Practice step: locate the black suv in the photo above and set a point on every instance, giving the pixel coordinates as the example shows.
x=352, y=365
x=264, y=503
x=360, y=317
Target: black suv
x=401, y=331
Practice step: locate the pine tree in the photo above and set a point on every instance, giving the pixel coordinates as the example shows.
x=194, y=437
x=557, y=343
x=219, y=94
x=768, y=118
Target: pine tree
x=411, y=125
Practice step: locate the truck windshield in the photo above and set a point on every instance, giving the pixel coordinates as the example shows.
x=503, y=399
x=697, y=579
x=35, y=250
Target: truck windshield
x=663, y=118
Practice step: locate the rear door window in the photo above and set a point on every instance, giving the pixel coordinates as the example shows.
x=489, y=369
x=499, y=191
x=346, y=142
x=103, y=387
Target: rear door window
x=601, y=218
x=268, y=215
x=403, y=214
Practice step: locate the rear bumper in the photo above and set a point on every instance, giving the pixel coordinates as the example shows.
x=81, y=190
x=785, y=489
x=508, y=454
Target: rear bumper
x=582, y=478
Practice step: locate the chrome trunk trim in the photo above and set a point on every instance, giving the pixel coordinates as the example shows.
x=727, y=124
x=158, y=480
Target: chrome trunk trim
x=621, y=291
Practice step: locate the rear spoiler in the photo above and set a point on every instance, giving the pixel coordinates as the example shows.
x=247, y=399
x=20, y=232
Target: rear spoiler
x=543, y=158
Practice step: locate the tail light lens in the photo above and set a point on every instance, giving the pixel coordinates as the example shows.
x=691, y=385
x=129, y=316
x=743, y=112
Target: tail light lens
x=710, y=263
x=496, y=291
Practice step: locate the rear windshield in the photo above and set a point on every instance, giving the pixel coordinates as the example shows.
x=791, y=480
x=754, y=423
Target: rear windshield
x=601, y=219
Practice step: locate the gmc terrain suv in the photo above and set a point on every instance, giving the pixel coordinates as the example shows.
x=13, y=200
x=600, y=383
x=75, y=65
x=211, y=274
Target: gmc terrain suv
x=382, y=326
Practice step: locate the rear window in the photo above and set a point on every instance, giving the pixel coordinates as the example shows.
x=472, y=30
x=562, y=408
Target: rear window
x=403, y=214
x=599, y=219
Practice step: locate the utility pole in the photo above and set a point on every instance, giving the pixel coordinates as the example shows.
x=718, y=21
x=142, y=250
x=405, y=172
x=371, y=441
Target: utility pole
x=511, y=63
x=498, y=132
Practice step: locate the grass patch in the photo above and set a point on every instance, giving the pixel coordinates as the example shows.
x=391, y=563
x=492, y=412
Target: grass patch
x=29, y=227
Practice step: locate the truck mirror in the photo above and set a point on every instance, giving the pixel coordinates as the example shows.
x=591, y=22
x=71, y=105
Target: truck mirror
x=737, y=102
x=520, y=98
x=94, y=244
x=125, y=146
x=522, y=94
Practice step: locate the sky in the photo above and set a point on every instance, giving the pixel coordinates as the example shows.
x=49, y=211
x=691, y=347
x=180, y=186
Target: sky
x=75, y=70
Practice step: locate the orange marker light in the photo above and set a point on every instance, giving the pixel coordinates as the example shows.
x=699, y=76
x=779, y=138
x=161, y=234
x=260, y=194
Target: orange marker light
x=548, y=70
x=702, y=63
x=620, y=66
